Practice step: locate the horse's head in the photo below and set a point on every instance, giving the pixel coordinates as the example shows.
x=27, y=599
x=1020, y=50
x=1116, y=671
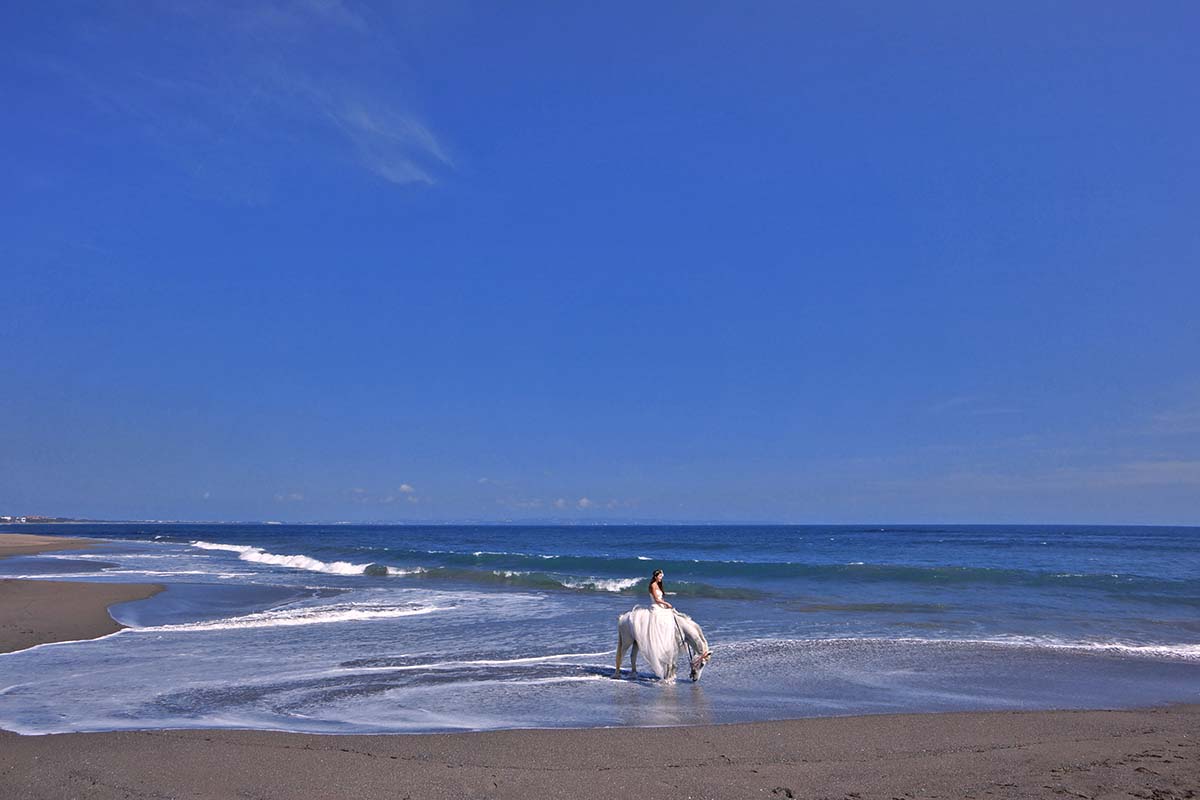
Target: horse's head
x=699, y=662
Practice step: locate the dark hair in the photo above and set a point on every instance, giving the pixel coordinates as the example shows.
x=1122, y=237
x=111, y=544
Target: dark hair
x=656, y=577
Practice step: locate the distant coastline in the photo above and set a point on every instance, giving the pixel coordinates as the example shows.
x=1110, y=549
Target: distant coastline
x=11, y=520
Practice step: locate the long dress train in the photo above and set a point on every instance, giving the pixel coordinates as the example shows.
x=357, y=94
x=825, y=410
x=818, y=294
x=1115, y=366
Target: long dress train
x=657, y=636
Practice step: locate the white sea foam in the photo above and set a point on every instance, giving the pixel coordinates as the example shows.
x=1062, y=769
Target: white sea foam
x=234, y=548
x=603, y=584
x=1189, y=652
x=592, y=584
x=643, y=558
x=479, y=662
x=286, y=617
x=494, y=662
x=135, y=571
x=60, y=644
x=104, y=556
x=559, y=679
x=108, y=573
x=260, y=556
x=304, y=562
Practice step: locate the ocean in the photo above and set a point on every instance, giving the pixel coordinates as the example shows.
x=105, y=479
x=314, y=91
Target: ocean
x=372, y=629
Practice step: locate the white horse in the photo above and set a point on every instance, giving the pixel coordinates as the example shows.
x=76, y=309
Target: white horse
x=689, y=635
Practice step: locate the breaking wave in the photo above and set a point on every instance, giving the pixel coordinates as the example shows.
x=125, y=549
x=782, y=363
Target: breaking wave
x=729, y=579
x=259, y=556
x=602, y=584
x=551, y=581
x=533, y=579
x=611, y=566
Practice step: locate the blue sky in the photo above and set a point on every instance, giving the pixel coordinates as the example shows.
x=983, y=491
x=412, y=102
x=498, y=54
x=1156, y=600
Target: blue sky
x=815, y=263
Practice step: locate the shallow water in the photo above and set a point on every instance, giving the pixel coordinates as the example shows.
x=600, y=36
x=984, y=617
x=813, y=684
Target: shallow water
x=278, y=627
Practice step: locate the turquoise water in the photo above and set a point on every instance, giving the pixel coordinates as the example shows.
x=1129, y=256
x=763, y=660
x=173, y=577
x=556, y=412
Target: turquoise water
x=415, y=628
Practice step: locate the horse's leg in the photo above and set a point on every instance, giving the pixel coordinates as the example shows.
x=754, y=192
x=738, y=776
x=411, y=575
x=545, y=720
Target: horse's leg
x=633, y=659
x=621, y=645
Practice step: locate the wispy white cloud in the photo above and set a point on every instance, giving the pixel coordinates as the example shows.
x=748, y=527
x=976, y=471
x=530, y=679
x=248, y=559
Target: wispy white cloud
x=289, y=497
x=391, y=143
x=406, y=488
x=251, y=81
x=584, y=503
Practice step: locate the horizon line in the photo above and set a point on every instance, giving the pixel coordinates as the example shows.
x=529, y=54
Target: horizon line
x=551, y=522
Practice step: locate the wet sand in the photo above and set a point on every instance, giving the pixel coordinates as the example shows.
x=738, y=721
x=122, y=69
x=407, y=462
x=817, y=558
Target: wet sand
x=1151, y=753
x=27, y=544
x=38, y=612
x=1089, y=754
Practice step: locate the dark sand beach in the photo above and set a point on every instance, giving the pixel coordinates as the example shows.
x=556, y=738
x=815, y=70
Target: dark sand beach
x=1092, y=754
x=1151, y=753
x=28, y=544
x=37, y=612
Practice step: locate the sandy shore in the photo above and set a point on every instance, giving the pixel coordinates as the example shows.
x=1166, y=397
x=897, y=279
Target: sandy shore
x=37, y=612
x=1151, y=753
x=1090, y=754
x=24, y=544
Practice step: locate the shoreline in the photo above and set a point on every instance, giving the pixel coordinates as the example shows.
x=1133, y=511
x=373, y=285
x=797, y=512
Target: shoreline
x=36, y=612
x=1148, y=753
x=30, y=544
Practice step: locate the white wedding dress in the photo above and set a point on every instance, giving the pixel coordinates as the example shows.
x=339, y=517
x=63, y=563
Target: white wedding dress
x=658, y=638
